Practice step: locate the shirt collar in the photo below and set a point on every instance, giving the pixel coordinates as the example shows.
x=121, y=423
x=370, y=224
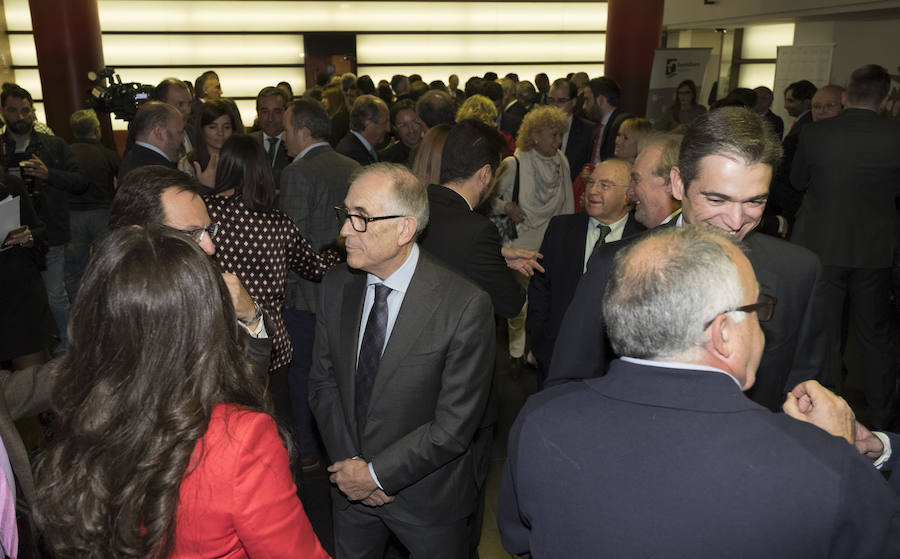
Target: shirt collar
x=399, y=280
x=152, y=147
x=361, y=139
x=616, y=226
x=677, y=365
x=305, y=151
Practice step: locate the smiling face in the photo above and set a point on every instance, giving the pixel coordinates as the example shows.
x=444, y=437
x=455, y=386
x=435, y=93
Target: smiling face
x=270, y=113
x=604, y=195
x=216, y=132
x=651, y=194
x=547, y=140
x=408, y=128
x=626, y=144
x=727, y=193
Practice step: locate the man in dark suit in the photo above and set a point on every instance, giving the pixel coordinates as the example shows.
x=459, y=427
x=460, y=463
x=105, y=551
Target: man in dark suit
x=568, y=243
x=601, y=104
x=408, y=129
x=174, y=92
x=764, y=98
x=664, y=456
x=784, y=200
x=271, y=103
x=402, y=369
x=849, y=168
x=579, y=137
x=515, y=112
x=158, y=130
x=722, y=179
x=311, y=186
x=370, y=121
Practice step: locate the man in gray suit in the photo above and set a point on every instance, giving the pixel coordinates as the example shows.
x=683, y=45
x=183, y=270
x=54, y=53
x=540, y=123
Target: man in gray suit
x=311, y=186
x=402, y=370
x=270, y=105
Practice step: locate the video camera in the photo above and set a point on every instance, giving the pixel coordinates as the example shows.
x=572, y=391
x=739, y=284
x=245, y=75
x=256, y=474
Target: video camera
x=120, y=99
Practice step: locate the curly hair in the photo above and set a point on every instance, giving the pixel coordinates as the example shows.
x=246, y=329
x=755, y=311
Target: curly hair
x=478, y=107
x=538, y=119
x=154, y=346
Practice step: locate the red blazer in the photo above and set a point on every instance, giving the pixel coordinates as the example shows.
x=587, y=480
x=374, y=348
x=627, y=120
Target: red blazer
x=238, y=499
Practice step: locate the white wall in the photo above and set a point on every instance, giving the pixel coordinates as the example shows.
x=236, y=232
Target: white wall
x=694, y=13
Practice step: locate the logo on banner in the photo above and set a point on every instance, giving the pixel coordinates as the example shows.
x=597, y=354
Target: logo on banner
x=671, y=67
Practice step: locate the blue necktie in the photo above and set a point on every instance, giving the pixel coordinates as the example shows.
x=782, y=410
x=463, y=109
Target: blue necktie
x=370, y=354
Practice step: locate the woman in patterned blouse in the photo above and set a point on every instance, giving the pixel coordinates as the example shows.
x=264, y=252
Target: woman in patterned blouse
x=259, y=244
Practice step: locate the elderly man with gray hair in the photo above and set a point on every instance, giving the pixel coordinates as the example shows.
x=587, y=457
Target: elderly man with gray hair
x=664, y=456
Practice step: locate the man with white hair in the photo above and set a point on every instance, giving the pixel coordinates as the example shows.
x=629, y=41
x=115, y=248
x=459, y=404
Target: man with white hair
x=664, y=456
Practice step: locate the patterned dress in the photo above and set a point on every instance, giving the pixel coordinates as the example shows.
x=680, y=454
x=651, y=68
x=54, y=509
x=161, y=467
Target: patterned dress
x=259, y=247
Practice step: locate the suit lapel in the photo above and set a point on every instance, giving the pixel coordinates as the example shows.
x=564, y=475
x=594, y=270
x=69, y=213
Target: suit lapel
x=419, y=303
x=351, y=313
x=575, y=238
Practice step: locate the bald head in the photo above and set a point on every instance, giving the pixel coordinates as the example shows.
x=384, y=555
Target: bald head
x=826, y=103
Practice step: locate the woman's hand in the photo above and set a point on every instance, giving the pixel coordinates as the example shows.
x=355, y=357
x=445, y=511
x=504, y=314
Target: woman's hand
x=514, y=212
x=207, y=177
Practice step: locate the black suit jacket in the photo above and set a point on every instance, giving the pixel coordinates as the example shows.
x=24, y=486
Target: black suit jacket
x=550, y=292
x=429, y=396
x=784, y=200
x=657, y=462
x=776, y=122
x=511, y=118
x=579, y=144
x=849, y=167
x=353, y=148
x=139, y=156
x=796, y=340
x=610, y=131
x=469, y=243
x=282, y=159
x=397, y=152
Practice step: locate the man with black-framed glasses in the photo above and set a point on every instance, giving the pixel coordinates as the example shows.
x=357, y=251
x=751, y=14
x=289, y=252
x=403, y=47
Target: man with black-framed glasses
x=402, y=369
x=664, y=456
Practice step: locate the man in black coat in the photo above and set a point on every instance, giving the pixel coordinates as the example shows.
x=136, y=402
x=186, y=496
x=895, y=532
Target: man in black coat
x=271, y=102
x=370, y=121
x=849, y=168
x=579, y=138
x=568, y=243
x=722, y=179
x=601, y=104
x=784, y=200
x=158, y=131
x=51, y=172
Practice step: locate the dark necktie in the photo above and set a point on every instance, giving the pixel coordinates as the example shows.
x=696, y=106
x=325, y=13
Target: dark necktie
x=273, y=142
x=604, y=231
x=370, y=353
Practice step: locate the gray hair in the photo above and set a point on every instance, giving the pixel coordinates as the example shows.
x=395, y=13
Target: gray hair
x=365, y=109
x=84, y=123
x=664, y=289
x=409, y=195
x=669, y=146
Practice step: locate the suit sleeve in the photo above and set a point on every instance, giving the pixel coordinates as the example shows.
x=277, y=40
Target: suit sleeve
x=465, y=387
x=292, y=198
x=539, y=290
x=580, y=351
x=324, y=395
x=27, y=392
x=515, y=530
x=488, y=268
x=268, y=516
x=811, y=354
x=799, y=170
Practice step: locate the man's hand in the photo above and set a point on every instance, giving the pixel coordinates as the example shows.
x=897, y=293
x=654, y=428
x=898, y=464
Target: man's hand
x=868, y=444
x=19, y=236
x=523, y=261
x=207, y=177
x=377, y=499
x=811, y=402
x=34, y=167
x=515, y=213
x=244, y=307
x=352, y=477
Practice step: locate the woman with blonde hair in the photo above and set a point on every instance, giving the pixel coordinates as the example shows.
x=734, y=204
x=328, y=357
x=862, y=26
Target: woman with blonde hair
x=481, y=108
x=630, y=133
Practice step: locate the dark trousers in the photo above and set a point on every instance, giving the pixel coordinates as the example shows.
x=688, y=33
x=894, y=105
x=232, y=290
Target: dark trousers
x=869, y=306
x=301, y=327
x=360, y=532
x=86, y=229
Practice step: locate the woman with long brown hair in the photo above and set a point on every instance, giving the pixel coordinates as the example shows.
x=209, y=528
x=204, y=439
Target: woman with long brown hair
x=215, y=122
x=165, y=445
x=338, y=111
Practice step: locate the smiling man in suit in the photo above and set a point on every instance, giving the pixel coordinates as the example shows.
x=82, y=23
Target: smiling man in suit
x=568, y=244
x=722, y=179
x=402, y=369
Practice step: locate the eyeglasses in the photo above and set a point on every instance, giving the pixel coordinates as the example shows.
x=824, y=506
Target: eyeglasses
x=764, y=308
x=558, y=100
x=199, y=234
x=359, y=222
x=604, y=184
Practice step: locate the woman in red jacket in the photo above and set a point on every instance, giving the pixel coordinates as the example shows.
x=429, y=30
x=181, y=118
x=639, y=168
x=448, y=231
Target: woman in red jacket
x=166, y=446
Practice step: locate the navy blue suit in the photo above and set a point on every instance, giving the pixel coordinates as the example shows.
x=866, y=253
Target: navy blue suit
x=659, y=462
